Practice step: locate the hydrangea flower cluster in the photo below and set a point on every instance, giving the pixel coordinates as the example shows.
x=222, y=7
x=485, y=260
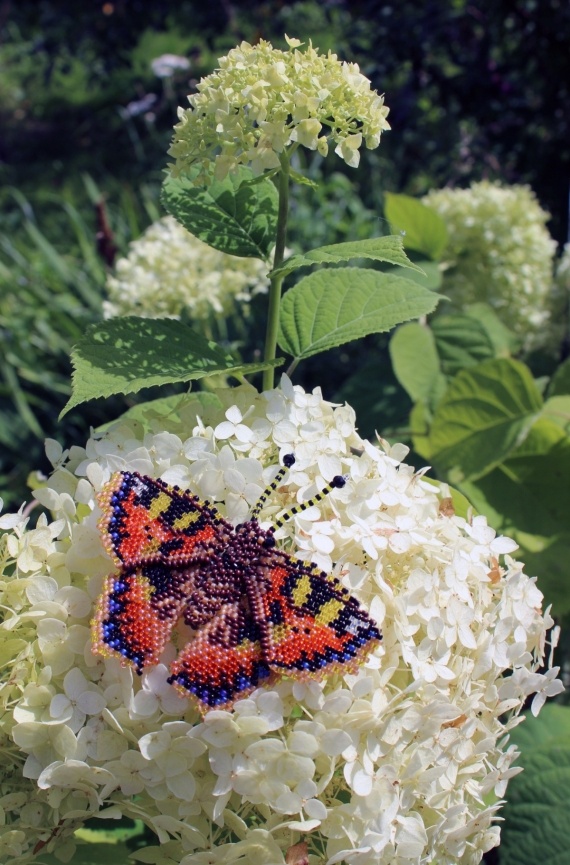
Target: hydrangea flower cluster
x=405, y=760
x=499, y=251
x=262, y=100
x=169, y=270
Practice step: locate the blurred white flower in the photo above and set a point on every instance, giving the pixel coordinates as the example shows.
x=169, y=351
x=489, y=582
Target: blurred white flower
x=168, y=270
x=166, y=65
x=395, y=762
x=499, y=251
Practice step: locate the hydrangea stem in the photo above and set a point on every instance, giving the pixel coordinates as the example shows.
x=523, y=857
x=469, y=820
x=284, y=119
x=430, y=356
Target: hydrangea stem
x=277, y=281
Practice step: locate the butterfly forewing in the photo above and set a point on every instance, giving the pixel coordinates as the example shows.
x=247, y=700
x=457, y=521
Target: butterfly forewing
x=145, y=520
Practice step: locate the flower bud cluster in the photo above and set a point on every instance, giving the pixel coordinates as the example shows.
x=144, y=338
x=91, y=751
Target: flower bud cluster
x=262, y=100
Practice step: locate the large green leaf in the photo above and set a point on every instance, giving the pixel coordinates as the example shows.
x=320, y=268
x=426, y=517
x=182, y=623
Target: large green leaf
x=560, y=383
x=423, y=229
x=528, y=497
x=233, y=215
x=381, y=405
x=536, y=827
x=389, y=249
x=124, y=355
x=415, y=360
x=482, y=417
x=331, y=307
x=461, y=342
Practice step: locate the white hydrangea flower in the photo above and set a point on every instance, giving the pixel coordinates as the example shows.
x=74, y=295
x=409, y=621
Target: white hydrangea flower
x=263, y=100
x=499, y=251
x=168, y=270
x=393, y=763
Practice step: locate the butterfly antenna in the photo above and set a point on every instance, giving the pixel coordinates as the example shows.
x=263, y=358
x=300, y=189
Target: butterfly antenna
x=336, y=484
x=288, y=461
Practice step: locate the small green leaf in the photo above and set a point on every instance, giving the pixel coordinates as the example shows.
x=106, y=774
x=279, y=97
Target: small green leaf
x=173, y=408
x=430, y=275
x=536, y=825
x=423, y=229
x=560, y=383
x=389, y=249
x=504, y=341
x=233, y=215
x=297, y=177
x=334, y=306
x=461, y=342
x=461, y=505
x=415, y=360
x=124, y=355
x=482, y=417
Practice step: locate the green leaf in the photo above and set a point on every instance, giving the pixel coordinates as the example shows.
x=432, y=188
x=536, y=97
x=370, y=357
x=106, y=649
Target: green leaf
x=381, y=405
x=482, y=417
x=536, y=827
x=420, y=420
x=331, y=307
x=504, y=341
x=415, y=360
x=461, y=504
x=233, y=215
x=430, y=275
x=560, y=383
x=154, y=412
x=461, y=342
x=557, y=409
x=423, y=229
x=528, y=498
x=388, y=249
x=93, y=854
x=551, y=727
x=124, y=355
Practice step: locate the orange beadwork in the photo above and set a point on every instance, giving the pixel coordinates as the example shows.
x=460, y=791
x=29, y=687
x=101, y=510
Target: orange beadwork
x=257, y=611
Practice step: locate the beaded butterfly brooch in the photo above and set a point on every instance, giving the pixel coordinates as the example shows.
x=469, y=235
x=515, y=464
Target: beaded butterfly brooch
x=257, y=611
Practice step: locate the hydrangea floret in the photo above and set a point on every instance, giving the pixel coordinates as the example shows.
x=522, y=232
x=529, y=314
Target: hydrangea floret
x=168, y=270
x=263, y=101
x=499, y=251
x=405, y=760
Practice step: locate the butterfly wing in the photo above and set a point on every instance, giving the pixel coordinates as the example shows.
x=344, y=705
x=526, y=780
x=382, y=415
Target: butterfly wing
x=145, y=520
x=136, y=612
x=311, y=626
x=159, y=537
x=224, y=661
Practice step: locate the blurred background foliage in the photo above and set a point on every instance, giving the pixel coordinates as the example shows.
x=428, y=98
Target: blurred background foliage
x=476, y=89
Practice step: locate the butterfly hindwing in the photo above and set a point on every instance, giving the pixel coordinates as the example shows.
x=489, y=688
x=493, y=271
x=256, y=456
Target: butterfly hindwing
x=137, y=610
x=224, y=661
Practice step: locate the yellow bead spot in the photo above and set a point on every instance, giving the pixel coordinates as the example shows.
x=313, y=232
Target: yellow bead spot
x=301, y=591
x=329, y=612
x=186, y=520
x=158, y=505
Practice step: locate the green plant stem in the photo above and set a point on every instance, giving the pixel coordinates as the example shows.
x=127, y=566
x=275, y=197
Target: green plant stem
x=277, y=281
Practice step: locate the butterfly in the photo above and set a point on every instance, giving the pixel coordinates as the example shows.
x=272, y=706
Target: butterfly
x=257, y=612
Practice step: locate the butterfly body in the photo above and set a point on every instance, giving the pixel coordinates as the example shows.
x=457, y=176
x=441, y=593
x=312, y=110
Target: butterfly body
x=257, y=612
